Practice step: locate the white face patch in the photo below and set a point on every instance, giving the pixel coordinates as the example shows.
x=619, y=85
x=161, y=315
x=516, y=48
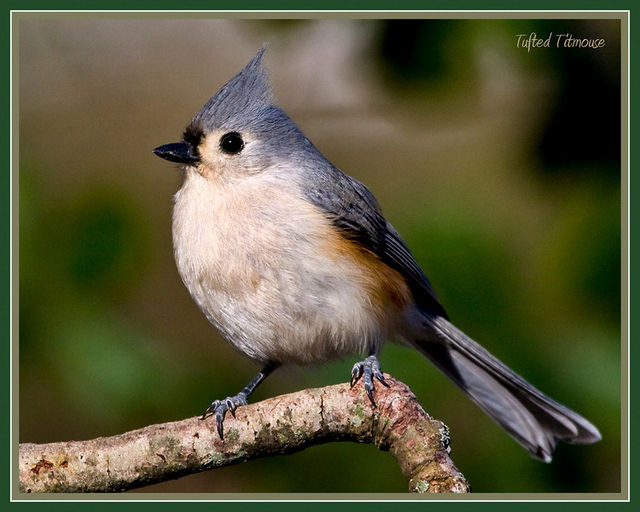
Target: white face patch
x=221, y=163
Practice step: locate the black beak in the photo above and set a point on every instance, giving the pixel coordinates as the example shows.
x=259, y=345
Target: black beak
x=181, y=152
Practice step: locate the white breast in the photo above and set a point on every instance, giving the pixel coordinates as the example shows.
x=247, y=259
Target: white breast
x=254, y=256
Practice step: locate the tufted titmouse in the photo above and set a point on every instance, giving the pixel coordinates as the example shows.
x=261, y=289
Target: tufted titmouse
x=293, y=262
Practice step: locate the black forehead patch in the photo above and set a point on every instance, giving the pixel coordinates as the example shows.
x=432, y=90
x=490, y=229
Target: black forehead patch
x=192, y=135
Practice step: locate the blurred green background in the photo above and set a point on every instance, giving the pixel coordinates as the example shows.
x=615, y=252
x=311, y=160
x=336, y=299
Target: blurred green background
x=500, y=168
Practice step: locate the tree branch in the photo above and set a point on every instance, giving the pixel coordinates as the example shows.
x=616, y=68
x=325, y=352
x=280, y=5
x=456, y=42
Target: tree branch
x=280, y=425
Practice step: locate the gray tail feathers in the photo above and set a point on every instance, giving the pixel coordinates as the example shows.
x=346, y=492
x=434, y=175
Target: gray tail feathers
x=533, y=419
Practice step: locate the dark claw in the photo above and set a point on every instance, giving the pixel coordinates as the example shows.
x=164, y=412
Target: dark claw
x=380, y=377
x=369, y=369
x=370, y=395
x=220, y=408
x=356, y=373
x=219, y=420
x=211, y=409
x=231, y=406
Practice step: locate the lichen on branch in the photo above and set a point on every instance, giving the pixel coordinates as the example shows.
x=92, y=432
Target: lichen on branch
x=280, y=425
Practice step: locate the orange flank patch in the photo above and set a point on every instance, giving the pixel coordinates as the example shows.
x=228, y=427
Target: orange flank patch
x=388, y=289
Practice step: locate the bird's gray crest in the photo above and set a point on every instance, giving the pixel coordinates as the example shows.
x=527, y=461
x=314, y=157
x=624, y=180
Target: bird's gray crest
x=241, y=97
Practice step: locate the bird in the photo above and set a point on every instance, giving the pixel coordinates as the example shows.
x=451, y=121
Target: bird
x=293, y=262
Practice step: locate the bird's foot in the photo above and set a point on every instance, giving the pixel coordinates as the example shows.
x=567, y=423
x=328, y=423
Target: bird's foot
x=220, y=408
x=368, y=370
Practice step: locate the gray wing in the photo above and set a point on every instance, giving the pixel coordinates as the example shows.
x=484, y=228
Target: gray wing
x=354, y=209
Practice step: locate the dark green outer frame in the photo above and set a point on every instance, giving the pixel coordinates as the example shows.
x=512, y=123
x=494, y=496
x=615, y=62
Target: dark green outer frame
x=357, y=9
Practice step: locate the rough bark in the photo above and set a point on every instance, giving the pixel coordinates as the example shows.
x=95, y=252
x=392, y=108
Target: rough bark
x=280, y=425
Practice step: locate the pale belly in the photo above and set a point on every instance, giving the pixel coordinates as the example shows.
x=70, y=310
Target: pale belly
x=273, y=283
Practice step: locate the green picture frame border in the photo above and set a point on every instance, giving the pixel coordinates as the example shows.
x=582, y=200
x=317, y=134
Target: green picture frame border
x=326, y=9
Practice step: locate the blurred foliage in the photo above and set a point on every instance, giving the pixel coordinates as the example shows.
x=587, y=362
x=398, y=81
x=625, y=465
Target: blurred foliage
x=418, y=50
x=522, y=244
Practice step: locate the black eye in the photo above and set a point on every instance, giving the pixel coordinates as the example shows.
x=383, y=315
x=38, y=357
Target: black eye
x=231, y=143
